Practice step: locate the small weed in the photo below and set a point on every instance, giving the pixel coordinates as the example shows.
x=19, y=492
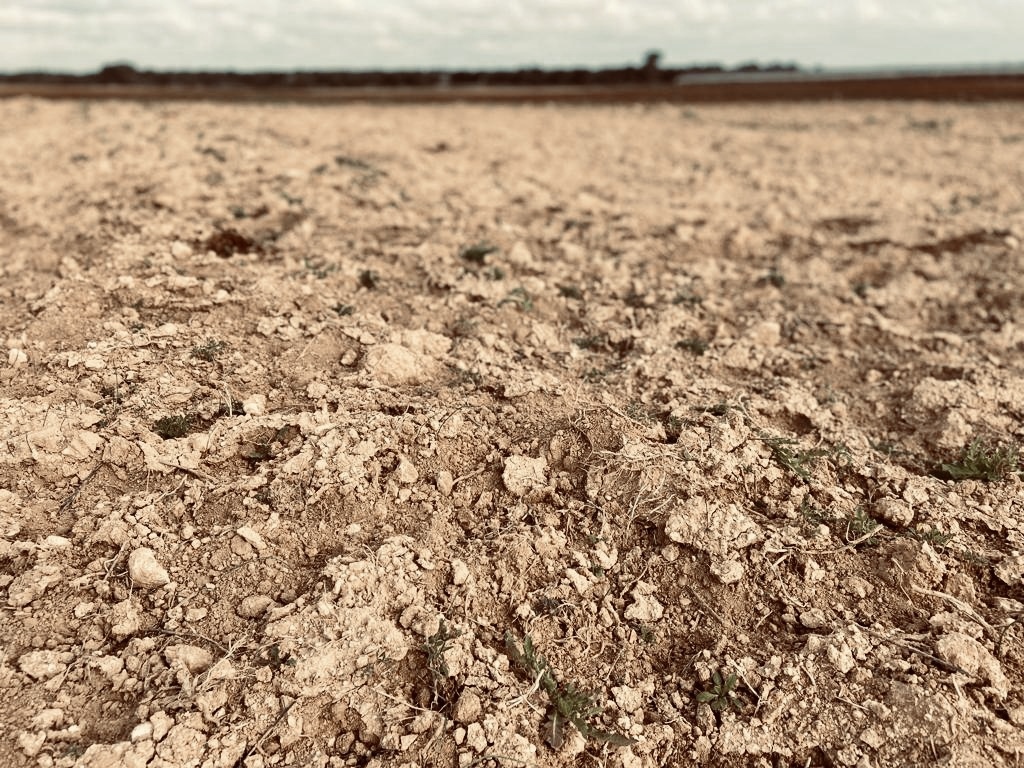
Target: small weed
x=494, y=273
x=273, y=657
x=785, y=450
x=981, y=462
x=635, y=300
x=369, y=279
x=591, y=342
x=353, y=162
x=520, y=298
x=932, y=536
x=852, y=528
x=812, y=514
x=858, y=525
x=976, y=559
x=720, y=696
x=208, y=350
x=673, y=428
x=636, y=412
x=173, y=426
x=687, y=298
x=318, y=267
x=570, y=292
x=568, y=702
x=694, y=345
x=890, y=449
x=774, y=277
x=718, y=409
x=477, y=254
x=645, y=633
x=436, y=646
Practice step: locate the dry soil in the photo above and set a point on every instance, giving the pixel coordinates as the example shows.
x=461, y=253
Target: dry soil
x=477, y=436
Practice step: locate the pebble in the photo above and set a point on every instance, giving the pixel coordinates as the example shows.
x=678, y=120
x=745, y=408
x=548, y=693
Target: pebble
x=460, y=572
x=42, y=665
x=395, y=365
x=254, y=606
x=523, y=474
x=31, y=743
x=405, y=472
x=125, y=619
x=192, y=657
x=16, y=357
x=468, y=708
x=32, y=584
x=475, y=737
x=254, y=405
x=144, y=569
x=252, y=537
x=180, y=250
x=445, y=482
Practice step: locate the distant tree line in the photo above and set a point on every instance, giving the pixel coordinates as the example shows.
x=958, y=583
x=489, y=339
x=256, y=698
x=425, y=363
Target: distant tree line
x=649, y=73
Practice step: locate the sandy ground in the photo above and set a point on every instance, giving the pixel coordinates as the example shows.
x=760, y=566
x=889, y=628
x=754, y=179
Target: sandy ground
x=479, y=436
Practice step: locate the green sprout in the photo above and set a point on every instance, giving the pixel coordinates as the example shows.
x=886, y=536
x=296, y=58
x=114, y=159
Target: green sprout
x=720, y=696
x=569, y=703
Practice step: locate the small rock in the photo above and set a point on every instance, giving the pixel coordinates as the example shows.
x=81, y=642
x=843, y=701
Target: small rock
x=145, y=571
x=125, y=619
x=254, y=405
x=706, y=718
x=241, y=547
x=974, y=659
x=841, y=657
x=252, y=537
x=644, y=609
x=32, y=584
x=142, y=732
x=468, y=708
x=727, y=571
x=475, y=737
x=813, y=618
x=162, y=723
x=48, y=719
x=254, y=606
x=445, y=482
x=767, y=333
x=30, y=743
x=405, y=472
x=16, y=357
x=1010, y=570
x=460, y=572
x=180, y=250
x=523, y=474
x=628, y=699
x=394, y=365
x=872, y=738
x=192, y=657
x=858, y=587
x=895, y=511
x=42, y=665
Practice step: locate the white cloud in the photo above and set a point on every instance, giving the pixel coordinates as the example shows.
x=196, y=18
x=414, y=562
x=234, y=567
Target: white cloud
x=254, y=34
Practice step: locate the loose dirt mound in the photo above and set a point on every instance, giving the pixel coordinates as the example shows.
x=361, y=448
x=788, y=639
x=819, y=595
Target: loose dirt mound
x=511, y=436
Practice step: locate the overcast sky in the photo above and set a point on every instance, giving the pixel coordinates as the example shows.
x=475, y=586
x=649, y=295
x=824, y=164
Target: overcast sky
x=82, y=35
